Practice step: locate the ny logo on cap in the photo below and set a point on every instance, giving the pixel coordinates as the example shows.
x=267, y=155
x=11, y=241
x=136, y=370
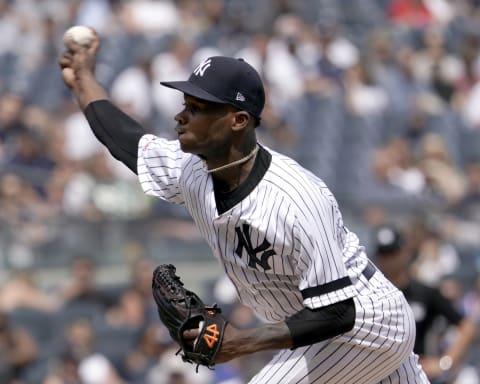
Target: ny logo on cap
x=202, y=67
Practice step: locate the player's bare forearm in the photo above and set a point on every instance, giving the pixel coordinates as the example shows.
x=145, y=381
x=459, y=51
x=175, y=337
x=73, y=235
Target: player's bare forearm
x=465, y=336
x=240, y=342
x=435, y=366
x=86, y=89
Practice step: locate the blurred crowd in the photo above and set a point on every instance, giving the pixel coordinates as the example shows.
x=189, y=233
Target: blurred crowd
x=82, y=332
x=380, y=98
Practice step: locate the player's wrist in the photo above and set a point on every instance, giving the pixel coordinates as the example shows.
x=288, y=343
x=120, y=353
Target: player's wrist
x=272, y=336
x=236, y=343
x=87, y=89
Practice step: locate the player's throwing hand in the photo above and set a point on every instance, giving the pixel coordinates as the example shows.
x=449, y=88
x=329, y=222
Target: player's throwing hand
x=78, y=58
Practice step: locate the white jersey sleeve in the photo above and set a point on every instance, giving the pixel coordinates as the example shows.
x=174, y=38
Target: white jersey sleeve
x=323, y=249
x=160, y=164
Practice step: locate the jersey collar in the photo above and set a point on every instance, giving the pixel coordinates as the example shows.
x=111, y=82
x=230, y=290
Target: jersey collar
x=227, y=200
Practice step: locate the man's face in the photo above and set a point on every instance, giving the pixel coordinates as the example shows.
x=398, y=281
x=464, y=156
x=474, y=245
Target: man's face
x=392, y=263
x=204, y=128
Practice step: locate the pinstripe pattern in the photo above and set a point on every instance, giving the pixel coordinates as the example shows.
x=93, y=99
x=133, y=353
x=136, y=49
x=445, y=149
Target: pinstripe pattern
x=377, y=350
x=285, y=236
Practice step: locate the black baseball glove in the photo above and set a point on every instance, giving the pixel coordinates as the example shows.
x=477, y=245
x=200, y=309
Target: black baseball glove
x=181, y=309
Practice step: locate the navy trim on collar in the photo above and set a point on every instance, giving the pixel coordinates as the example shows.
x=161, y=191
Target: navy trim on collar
x=227, y=200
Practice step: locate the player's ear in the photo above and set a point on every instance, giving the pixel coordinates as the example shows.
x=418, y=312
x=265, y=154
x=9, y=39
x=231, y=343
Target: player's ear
x=241, y=120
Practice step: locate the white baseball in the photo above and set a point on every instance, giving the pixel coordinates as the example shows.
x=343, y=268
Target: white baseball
x=78, y=34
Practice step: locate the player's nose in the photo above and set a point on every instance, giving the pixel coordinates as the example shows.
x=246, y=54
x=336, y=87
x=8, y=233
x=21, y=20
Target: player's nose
x=180, y=118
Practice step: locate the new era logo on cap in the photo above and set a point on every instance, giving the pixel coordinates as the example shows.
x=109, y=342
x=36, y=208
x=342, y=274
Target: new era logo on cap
x=240, y=97
x=225, y=80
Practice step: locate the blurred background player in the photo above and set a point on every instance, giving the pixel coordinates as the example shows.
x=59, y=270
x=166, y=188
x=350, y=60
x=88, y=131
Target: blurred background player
x=441, y=363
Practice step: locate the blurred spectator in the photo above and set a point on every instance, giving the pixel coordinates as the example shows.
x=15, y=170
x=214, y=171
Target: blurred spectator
x=80, y=143
x=471, y=301
x=21, y=291
x=81, y=287
x=400, y=83
x=470, y=109
x=65, y=372
x=152, y=17
x=425, y=108
x=97, y=193
x=363, y=96
x=174, y=63
x=140, y=283
x=170, y=369
x=284, y=81
x=28, y=158
x=18, y=350
x=129, y=311
x=337, y=52
x=435, y=259
x=276, y=129
x=380, y=55
x=256, y=51
x=405, y=173
x=461, y=224
x=96, y=13
x=390, y=185
x=442, y=175
x=96, y=369
x=462, y=100
x=79, y=340
x=393, y=256
x=11, y=125
x=77, y=360
x=435, y=66
x=131, y=90
x=153, y=341
x=23, y=212
x=410, y=13
x=332, y=54
x=469, y=206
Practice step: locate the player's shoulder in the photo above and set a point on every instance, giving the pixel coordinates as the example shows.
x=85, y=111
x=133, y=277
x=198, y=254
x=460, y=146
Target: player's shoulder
x=295, y=183
x=149, y=142
x=155, y=147
x=287, y=164
x=289, y=170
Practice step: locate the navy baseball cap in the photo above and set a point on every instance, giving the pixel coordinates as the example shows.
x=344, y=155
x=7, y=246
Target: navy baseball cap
x=387, y=239
x=225, y=80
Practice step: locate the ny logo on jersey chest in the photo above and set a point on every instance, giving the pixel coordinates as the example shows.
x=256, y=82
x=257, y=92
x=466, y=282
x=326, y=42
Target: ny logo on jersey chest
x=245, y=242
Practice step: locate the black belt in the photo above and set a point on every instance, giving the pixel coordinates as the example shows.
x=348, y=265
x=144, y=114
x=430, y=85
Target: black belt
x=369, y=270
x=335, y=285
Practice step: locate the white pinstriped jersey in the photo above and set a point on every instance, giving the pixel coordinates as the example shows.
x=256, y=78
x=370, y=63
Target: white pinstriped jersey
x=289, y=228
x=281, y=239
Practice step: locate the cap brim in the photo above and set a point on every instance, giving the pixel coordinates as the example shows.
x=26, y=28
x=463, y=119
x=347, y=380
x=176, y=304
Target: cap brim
x=192, y=90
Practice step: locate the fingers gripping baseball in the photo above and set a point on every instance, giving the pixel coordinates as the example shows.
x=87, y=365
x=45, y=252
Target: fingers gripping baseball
x=79, y=55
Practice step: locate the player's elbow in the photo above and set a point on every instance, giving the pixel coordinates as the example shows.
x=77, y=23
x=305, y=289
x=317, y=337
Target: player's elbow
x=312, y=326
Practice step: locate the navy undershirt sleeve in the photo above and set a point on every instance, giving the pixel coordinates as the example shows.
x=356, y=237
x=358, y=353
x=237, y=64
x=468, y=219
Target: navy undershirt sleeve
x=116, y=130
x=310, y=326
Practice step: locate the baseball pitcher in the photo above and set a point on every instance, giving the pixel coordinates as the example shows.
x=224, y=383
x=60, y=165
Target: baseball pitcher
x=275, y=228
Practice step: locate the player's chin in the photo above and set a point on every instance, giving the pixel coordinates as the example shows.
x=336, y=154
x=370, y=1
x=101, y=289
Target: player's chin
x=187, y=144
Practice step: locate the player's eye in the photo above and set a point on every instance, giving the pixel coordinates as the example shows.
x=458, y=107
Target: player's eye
x=192, y=108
